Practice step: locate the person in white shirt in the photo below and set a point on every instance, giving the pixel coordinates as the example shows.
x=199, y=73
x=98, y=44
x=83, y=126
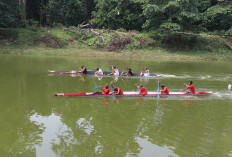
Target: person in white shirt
x=115, y=71
x=98, y=72
x=145, y=73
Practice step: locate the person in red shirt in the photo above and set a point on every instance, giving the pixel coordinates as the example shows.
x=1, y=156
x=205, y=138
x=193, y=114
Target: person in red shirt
x=105, y=91
x=143, y=90
x=191, y=87
x=116, y=90
x=164, y=90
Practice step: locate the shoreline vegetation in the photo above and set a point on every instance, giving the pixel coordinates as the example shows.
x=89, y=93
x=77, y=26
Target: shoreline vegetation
x=70, y=41
x=171, y=29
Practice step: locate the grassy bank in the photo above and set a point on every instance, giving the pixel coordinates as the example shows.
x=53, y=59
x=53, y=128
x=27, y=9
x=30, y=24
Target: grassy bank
x=108, y=43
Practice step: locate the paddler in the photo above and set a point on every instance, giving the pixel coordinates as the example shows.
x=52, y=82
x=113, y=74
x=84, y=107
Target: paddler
x=164, y=90
x=142, y=91
x=115, y=71
x=99, y=72
x=190, y=86
x=83, y=70
x=145, y=73
x=117, y=90
x=105, y=90
x=129, y=73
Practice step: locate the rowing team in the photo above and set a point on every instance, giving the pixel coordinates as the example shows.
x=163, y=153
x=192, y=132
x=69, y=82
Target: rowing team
x=143, y=91
x=115, y=72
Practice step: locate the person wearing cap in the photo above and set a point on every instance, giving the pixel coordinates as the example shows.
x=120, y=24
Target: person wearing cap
x=115, y=71
x=98, y=72
x=142, y=91
x=145, y=73
x=164, y=90
x=83, y=70
x=190, y=86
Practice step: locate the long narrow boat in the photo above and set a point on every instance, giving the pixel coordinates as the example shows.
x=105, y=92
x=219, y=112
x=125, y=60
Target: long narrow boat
x=131, y=93
x=104, y=73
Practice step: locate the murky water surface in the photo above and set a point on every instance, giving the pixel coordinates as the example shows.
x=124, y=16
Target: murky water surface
x=33, y=122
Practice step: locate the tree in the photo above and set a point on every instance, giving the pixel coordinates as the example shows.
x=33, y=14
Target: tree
x=22, y=5
x=65, y=12
x=184, y=13
x=88, y=7
x=219, y=16
x=117, y=14
x=9, y=13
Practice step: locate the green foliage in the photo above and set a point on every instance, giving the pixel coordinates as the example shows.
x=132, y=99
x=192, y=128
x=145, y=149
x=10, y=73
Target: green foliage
x=49, y=40
x=177, y=42
x=8, y=34
x=24, y=36
x=63, y=35
x=69, y=13
x=150, y=15
x=169, y=28
x=164, y=20
x=9, y=14
x=116, y=14
x=229, y=32
x=18, y=36
x=219, y=17
x=115, y=40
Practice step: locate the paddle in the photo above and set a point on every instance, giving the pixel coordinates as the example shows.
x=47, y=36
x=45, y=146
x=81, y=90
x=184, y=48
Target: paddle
x=121, y=74
x=111, y=87
x=158, y=96
x=96, y=87
x=135, y=88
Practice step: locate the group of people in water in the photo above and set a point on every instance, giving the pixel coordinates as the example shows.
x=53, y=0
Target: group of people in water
x=115, y=72
x=143, y=91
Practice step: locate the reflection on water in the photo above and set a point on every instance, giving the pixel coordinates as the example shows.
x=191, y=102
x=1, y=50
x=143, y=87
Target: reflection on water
x=57, y=137
x=53, y=132
x=35, y=123
x=149, y=149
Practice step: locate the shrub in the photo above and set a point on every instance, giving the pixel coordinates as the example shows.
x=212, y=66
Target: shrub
x=49, y=40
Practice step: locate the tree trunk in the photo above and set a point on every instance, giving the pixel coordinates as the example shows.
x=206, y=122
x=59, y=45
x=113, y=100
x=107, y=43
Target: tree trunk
x=22, y=5
x=24, y=9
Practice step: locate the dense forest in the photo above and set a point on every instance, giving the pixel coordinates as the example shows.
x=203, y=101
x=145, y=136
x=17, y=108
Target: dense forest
x=115, y=25
x=150, y=15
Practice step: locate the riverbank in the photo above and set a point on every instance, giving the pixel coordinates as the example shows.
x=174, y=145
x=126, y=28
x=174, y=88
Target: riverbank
x=108, y=43
x=149, y=54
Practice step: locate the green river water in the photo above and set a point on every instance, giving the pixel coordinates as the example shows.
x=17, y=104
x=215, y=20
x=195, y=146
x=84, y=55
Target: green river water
x=33, y=122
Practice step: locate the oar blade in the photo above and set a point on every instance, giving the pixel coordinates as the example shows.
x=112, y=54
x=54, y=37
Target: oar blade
x=158, y=95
